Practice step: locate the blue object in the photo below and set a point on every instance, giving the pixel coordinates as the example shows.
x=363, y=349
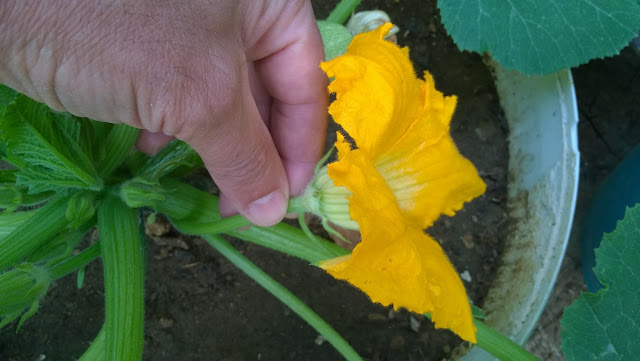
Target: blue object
x=620, y=190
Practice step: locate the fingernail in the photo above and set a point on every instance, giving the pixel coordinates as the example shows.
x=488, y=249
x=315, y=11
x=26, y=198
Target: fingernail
x=268, y=210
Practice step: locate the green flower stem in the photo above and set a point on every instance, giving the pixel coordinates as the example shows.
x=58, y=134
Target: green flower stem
x=224, y=225
x=283, y=295
x=34, y=232
x=193, y=211
x=500, y=345
x=118, y=144
x=96, y=352
x=291, y=240
x=76, y=262
x=343, y=11
x=296, y=205
x=123, y=261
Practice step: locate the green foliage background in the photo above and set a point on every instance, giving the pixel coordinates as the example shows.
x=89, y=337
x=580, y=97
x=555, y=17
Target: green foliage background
x=541, y=36
x=606, y=325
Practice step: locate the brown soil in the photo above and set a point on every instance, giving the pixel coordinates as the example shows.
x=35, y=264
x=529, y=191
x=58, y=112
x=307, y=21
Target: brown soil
x=199, y=307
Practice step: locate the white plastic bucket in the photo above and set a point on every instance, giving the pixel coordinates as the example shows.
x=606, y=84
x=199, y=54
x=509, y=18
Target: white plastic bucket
x=543, y=181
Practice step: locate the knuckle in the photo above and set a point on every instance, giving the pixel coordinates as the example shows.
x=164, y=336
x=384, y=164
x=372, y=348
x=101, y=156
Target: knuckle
x=192, y=97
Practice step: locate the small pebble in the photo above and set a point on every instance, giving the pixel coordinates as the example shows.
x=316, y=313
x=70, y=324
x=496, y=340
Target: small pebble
x=181, y=255
x=157, y=229
x=392, y=314
x=432, y=27
x=467, y=239
x=166, y=322
x=414, y=324
x=466, y=276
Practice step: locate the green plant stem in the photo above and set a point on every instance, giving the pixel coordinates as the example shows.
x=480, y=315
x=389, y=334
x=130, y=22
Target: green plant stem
x=342, y=11
x=193, y=211
x=34, y=232
x=291, y=240
x=500, y=345
x=96, y=352
x=118, y=145
x=296, y=205
x=123, y=260
x=224, y=225
x=76, y=262
x=283, y=295
x=315, y=240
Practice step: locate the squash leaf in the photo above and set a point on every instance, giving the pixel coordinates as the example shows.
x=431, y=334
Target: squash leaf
x=7, y=96
x=544, y=36
x=45, y=146
x=606, y=325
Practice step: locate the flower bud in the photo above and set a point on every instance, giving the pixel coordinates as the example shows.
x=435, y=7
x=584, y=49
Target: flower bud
x=22, y=288
x=365, y=21
x=328, y=201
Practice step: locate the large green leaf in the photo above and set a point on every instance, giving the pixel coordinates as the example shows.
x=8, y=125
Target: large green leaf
x=606, y=325
x=45, y=146
x=541, y=36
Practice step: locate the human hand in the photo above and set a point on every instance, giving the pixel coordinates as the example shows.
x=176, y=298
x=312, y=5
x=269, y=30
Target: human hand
x=237, y=80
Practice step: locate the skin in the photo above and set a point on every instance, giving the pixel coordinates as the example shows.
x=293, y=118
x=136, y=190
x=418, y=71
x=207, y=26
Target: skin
x=238, y=80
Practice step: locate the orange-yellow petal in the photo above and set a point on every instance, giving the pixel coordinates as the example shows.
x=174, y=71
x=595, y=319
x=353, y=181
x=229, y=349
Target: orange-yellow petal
x=429, y=176
x=396, y=263
x=411, y=272
x=378, y=80
x=405, y=172
x=402, y=123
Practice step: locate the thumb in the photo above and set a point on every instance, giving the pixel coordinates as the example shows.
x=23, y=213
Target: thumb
x=242, y=159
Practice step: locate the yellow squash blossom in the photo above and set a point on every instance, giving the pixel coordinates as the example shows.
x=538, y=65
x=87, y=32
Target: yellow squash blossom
x=403, y=174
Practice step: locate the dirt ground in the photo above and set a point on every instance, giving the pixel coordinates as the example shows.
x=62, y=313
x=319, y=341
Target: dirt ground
x=199, y=307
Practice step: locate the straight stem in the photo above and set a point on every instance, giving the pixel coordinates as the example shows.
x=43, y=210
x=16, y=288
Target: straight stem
x=500, y=345
x=342, y=11
x=76, y=262
x=123, y=262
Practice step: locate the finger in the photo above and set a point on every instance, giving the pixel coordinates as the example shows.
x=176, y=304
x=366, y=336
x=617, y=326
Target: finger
x=151, y=143
x=294, y=80
x=263, y=102
x=260, y=95
x=243, y=161
x=226, y=207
